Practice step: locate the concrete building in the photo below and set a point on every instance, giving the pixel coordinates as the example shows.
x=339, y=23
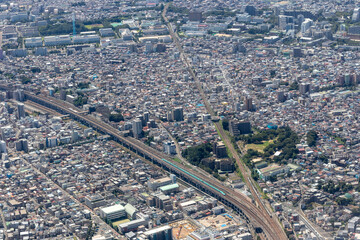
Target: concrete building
x=154, y=184
x=20, y=110
x=306, y=25
x=195, y=16
x=106, y=32
x=131, y=226
x=81, y=39
x=3, y=148
x=57, y=40
x=219, y=149
x=236, y=128
x=33, y=42
x=169, y=148
x=94, y=201
x=159, y=233
x=304, y=88
x=137, y=128
x=113, y=212
x=178, y=114
x=248, y=106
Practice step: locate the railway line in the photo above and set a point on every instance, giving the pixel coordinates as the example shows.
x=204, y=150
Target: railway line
x=266, y=215
x=236, y=201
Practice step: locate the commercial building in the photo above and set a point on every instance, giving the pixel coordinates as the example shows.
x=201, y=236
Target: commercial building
x=304, y=88
x=137, y=128
x=219, y=149
x=169, y=148
x=94, y=201
x=297, y=52
x=159, y=233
x=154, y=184
x=20, y=110
x=81, y=39
x=272, y=170
x=306, y=25
x=195, y=16
x=236, y=128
x=3, y=148
x=106, y=32
x=178, y=114
x=171, y=188
x=113, y=212
x=33, y=42
x=57, y=40
x=131, y=226
x=130, y=211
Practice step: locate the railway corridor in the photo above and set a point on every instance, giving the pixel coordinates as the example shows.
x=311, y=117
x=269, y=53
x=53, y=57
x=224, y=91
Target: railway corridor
x=240, y=203
x=276, y=228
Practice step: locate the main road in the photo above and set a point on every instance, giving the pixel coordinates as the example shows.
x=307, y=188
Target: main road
x=265, y=213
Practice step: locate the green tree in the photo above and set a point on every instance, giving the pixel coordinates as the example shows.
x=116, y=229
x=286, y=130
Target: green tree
x=311, y=138
x=117, y=117
x=80, y=101
x=225, y=124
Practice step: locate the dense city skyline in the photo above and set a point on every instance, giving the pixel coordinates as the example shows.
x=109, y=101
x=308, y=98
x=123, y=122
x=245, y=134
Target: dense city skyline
x=179, y=120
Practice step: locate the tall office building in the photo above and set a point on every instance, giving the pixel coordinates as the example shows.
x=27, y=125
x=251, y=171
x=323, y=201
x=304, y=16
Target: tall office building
x=21, y=110
x=149, y=48
x=146, y=117
x=238, y=47
x=356, y=15
x=304, y=88
x=74, y=136
x=248, y=104
x=137, y=128
x=63, y=94
x=178, y=114
x=142, y=119
x=169, y=147
x=22, y=145
x=306, y=25
x=219, y=149
x=3, y=148
x=160, y=47
x=2, y=134
x=297, y=52
x=281, y=96
x=236, y=128
x=19, y=95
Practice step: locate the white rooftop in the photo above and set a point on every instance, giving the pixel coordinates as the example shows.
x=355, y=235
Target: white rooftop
x=111, y=209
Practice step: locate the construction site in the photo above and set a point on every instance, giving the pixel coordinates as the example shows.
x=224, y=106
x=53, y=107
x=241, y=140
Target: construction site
x=219, y=222
x=182, y=229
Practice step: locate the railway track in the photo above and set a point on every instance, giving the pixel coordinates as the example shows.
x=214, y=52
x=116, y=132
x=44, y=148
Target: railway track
x=273, y=223
x=233, y=199
x=42, y=108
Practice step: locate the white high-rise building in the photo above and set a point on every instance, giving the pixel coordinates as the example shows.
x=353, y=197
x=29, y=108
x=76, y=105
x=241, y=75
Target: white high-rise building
x=306, y=25
x=356, y=15
x=137, y=128
x=3, y=147
x=21, y=110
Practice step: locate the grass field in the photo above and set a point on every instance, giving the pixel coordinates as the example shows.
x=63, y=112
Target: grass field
x=115, y=24
x=94, y=26
x=258, y=147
